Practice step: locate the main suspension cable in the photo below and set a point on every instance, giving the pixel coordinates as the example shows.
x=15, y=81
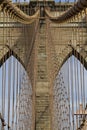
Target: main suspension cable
x=78, y=7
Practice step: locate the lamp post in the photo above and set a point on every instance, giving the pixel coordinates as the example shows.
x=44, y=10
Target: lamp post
x=81, y=113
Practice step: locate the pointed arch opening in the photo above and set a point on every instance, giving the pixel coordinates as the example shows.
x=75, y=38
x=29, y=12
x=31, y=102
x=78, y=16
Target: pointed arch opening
x=69, y=96
x=15, y=96
x=9, y=54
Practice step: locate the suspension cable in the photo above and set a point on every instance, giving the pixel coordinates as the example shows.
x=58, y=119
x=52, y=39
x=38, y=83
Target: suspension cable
x=70, y=13
x=18, y=14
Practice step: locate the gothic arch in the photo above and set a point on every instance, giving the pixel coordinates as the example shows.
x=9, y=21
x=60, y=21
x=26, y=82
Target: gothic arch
x=8, y=54
x=74, y=87
x=81, y=56
x=14, y=71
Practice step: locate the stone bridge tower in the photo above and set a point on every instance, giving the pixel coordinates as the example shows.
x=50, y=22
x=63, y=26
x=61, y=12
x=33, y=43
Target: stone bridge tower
x=47, y=48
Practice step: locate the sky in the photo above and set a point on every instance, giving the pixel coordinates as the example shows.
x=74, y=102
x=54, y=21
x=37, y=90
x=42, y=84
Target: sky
x=75, y=82
x=11, y=75
x=55, y=0
x=64, y=71
x=14, y=77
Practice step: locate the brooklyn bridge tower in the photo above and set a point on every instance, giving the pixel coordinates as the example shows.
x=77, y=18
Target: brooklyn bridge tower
x=43, y=62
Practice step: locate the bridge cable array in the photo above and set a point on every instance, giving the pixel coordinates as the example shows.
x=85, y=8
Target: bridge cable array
x=9, y=8
x=16, y=91
x=69, y=103
x=20, y=115
x=77, y=8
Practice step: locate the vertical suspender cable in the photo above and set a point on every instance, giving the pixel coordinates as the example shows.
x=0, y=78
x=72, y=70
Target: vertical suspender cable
x=76, y=86
x=78, y=76
x=84, y=90
x=9, y=77
x=3, y=74
x=17, y=94
x=72, y=81
x=68, y=62
x=83, y=58
x=13, y=93
x=76, y=66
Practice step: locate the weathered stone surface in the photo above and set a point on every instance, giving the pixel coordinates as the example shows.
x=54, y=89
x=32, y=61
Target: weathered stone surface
x=42, y=56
